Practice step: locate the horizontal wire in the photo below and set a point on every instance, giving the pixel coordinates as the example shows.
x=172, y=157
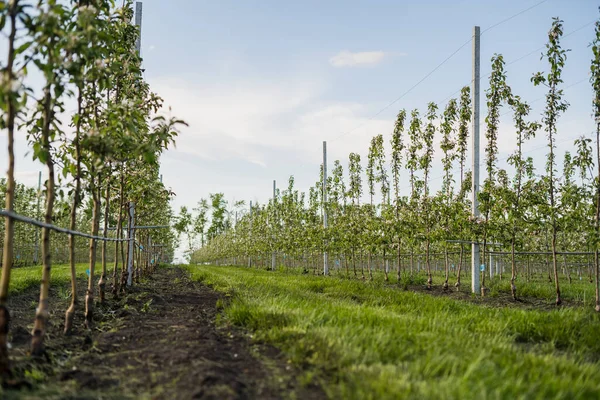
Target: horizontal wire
x=40, y=224
x=518, y=59
x=433, y=71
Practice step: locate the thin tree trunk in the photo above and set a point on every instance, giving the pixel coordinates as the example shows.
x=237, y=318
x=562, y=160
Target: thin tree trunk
x=428, y=262
x=362, y=265
x=70, y=313
x=385, y=266
x=460, y=261
x=125, y=254
x=555, y=265
x=513, y=276
x=399, y=255
x=346, y=264
x=445, y=285
x=483, y=288
x=102, y=281
x=115, y=290
x=42, y=314
x=89, y=296
x=7, y=256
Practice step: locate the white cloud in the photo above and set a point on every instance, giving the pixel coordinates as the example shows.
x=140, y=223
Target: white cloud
x=349, y=59
x=244, y=134
x=266, y=123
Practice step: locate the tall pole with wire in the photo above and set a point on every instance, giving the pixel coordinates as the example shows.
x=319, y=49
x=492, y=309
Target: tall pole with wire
x=475, y=285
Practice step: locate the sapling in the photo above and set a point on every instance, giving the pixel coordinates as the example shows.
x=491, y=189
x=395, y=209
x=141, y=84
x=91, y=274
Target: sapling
x=412, y=164
x=425, y=163
x=496, y=94
x=371, y=179
x=355, y=192
x=47, y=30
x=447, y=145
x=516, y=212
x=464, y=118
x=555, y=105
x=396, y=158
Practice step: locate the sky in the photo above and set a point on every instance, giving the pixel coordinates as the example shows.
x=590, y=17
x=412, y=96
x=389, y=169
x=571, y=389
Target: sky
x=263, y=83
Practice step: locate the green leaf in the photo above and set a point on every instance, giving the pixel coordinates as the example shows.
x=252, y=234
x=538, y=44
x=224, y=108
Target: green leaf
x=22, y=48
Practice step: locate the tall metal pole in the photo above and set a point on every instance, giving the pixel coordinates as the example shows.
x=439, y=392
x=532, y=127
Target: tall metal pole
x=130, y=236
x=324, y=205
x=37, y=231
x=274, y=210
x=138, y=23
x=475, y=285
x=249, y=257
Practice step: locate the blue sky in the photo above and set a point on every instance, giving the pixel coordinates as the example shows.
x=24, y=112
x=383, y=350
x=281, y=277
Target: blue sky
x=263, y=83
x=261, y=87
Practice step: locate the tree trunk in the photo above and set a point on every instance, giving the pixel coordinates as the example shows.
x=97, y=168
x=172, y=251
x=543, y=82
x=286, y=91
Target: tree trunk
x=126, y=256
x=460, y=261
x=513, y=276
x=445, y=285
x=70, y=313
x=41, y=315
x=115, y=290
x=102, y=281
x=399, y=255
x=7, y=256
x=428, y=263
x=89, y=296
x=385, y=266
x=555, y=265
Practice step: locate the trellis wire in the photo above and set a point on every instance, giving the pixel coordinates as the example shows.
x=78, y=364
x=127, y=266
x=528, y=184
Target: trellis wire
x=40, y=224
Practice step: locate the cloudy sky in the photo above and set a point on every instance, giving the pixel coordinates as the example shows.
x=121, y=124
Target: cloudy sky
x=263, y=83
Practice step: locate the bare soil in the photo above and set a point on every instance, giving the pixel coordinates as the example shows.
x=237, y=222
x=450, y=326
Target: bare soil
x=162, y=340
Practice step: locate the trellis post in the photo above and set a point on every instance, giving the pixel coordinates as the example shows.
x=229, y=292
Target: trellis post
x=325, y=255
x=274, y=211
x=475, y=285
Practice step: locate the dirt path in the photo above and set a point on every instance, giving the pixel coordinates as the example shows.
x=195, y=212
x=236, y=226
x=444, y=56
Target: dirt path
x=159, y=342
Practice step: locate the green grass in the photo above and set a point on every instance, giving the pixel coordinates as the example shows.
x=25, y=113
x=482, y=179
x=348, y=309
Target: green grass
x=580, y=292
x=365, y=341
x=25, y=277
